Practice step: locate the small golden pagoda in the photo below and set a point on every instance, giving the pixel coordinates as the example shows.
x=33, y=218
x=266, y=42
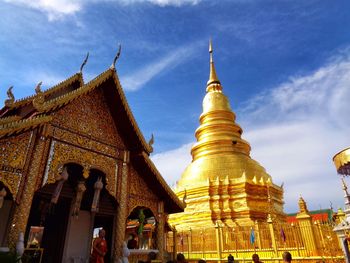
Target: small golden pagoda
x=223, y=183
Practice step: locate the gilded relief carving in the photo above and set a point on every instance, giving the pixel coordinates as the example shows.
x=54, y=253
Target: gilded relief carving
x=63, y=153
x=13, y=152
x=84, y=142
x=140, y=194
x=21, y=213
x=89, y=115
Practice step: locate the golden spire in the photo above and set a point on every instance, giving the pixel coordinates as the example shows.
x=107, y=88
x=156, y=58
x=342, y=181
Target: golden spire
x=218, y=132
x=213, y=78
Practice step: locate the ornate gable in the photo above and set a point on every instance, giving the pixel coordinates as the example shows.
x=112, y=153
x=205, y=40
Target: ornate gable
x=89, y=116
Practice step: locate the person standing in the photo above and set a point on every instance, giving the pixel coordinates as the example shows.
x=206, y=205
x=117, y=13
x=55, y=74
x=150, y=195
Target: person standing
x=126, y=253
x=287, y=257
x=99, y=248
x=255, y=258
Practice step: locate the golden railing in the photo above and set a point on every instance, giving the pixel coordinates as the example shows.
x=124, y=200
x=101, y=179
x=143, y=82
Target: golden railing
x=270, y=241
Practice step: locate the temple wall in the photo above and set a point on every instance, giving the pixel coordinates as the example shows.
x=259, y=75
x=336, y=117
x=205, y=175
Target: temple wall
x=13, y=157
x=140, y=193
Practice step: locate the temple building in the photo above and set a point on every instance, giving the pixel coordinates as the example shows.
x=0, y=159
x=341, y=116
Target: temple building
x=73, y=160
x=223, y=184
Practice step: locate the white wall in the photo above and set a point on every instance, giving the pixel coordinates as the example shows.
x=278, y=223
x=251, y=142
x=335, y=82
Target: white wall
x=78, y=236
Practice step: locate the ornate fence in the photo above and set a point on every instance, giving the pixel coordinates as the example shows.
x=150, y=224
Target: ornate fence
x=312, y=242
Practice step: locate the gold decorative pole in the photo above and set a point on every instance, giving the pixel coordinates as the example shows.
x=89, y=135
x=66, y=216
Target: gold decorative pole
x=295, y=238
x=190, y=242
x=218, y=240
x=306, y=228
x=272, y=234
x=120, y=220
x=257, y=230
x=22, y=210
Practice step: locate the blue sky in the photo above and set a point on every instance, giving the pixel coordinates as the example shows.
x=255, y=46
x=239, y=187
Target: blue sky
x=285, y=66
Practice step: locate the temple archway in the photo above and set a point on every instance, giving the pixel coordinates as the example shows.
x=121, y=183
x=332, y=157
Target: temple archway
x=6, y=206
x=141, y=229
x=67, y=212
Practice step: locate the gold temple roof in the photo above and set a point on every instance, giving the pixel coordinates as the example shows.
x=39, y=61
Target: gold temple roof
x=342, y=161
x=46, y=102
x=220, y=153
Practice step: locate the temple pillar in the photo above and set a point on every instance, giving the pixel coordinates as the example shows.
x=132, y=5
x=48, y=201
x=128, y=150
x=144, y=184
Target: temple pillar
x=160, y=231
x=120, y=220
x=22, y=210
x=174, y=243
x=306, y=228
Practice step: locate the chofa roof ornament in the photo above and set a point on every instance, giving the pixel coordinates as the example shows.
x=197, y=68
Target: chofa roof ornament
x=11, y=97
x=116, y=57
x=84, y=62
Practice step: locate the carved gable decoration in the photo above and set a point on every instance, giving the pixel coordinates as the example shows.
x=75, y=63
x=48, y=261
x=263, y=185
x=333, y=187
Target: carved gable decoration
x=13, y=153
x=89, y=115
x=61, y=154
x=140, y=193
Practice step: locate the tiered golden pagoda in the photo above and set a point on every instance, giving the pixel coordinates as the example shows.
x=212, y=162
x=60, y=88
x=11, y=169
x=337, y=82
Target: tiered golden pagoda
x=223, y=183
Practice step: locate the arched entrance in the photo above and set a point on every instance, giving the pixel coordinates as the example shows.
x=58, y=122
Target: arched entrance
x=6, y=206
x=141, y=229
x=68, y=211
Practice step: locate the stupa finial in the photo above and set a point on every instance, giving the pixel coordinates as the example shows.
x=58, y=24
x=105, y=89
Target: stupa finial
x=213, y=78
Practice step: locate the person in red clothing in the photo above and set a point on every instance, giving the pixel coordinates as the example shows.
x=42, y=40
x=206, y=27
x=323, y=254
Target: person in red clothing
x=99, y=248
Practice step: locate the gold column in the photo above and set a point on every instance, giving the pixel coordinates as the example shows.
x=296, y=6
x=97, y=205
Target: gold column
x=272, y=234
x=306, y=228
x=218, y=240
x=190, y=242
x=160, y=231
x=257, y=230
x=120, y=220
x=22, y=210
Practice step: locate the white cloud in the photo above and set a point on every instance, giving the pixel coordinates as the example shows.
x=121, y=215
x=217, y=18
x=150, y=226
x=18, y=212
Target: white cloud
x=172, y=163
x=137, y=79
x=294, y=130
x=54, y=9
x=58, y=9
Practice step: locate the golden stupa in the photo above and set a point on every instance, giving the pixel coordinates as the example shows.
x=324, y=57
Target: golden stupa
x=223, y=184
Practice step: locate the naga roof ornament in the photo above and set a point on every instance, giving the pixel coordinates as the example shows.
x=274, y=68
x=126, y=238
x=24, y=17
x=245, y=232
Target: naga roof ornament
x=84, y=63
x=150, y=143
x=38, y=88
x=11, y=97
x=116, y=57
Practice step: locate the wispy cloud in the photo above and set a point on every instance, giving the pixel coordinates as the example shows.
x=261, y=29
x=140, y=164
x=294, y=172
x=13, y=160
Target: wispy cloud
x=58, y=9
x=54, y=9
x=172, y=163
x=294, y=130
x=139, y=78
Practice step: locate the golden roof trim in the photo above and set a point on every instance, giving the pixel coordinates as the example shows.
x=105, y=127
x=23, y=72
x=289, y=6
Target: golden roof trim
x=341, y=159
x=9, y=119
x=23, y=125
x=161, y=180
x=145, y=144
x=57, y=87
x=45, y=106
